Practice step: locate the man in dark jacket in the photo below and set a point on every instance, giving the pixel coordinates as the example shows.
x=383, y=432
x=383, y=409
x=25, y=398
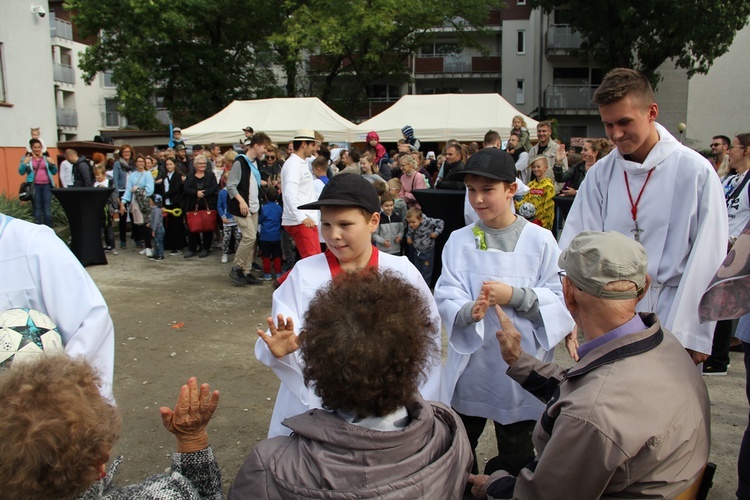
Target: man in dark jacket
x=83, y=174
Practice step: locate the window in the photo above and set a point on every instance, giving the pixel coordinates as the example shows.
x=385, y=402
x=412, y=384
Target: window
x=2, y=76
x=521, y=2
x=520, y=92
x=111, y=114
x=521, y=42
x=438, y=49
x=107, y=82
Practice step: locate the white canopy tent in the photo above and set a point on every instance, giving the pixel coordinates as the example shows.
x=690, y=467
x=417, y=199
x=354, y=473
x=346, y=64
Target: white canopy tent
x=437, y=118
x=279, y=118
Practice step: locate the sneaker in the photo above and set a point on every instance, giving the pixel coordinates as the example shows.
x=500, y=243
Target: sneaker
x=174, y=252
x=189, y=254
x=224, y=258
x=149, y=252
x=256, y=267
x=237, y=275
x=151, y=257
x=267, y=277
x=712, y=370
x=252, y=280
x=204, y=253
x=160, y=257
x=143, y=252
x=114, y=252
x=108, y=248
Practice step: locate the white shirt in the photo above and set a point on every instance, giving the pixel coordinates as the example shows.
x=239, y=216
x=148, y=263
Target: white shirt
x=40, y=272
x=297, y=188
x=293, y=298
x=474, y=374
x=684, y=220
x=738, y=209
x=66, y=173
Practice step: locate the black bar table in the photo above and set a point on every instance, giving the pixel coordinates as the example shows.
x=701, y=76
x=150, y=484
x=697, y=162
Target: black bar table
x=84, y=207
x=446, y=204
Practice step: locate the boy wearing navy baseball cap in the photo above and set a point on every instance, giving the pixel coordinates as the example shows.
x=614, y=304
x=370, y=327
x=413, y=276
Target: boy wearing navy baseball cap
x=349, y=213
x=500, y=260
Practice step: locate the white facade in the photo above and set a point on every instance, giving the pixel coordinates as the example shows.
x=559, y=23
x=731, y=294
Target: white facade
x=29, y=97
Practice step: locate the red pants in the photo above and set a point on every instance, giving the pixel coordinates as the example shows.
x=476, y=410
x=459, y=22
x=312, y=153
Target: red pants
x=306, y=239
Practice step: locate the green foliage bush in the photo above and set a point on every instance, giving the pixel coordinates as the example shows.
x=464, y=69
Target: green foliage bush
x=24, y=211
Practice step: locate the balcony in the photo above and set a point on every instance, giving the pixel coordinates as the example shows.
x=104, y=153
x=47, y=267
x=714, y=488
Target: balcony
x=67, y=117
x=570, y=100
x=561, y=40
x=62, y=73
x=464, y=65
x=60, y=28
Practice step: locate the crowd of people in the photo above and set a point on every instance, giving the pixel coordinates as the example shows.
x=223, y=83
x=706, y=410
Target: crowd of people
x=650, y=223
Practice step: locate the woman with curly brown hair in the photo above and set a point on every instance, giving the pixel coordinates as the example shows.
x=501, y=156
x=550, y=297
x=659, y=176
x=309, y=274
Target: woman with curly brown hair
x=380, y=439
x=58, y=433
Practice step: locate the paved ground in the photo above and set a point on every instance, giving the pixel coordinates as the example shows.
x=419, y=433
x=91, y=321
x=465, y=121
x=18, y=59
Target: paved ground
x=215, y=343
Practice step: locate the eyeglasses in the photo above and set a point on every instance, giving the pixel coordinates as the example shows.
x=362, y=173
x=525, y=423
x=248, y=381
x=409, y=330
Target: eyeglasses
x=716, y=144
x=270, y=158
x=563, y=274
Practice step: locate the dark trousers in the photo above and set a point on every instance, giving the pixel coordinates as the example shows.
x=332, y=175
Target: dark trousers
x=122, y=226
x=174, y=233
x=141, y=232
x=514, y=446
x=743, y=464
x=200, y=241
x=424, y=260
x=720, y=348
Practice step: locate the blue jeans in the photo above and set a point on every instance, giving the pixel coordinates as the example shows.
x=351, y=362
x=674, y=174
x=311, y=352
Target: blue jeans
x=41, y=203
x=424, y=261
x=159, y=242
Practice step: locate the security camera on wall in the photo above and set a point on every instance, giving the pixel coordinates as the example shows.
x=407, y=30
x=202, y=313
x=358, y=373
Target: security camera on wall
x=39, y=10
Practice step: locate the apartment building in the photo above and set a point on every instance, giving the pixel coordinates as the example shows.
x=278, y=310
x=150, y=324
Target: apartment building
x=529, y=61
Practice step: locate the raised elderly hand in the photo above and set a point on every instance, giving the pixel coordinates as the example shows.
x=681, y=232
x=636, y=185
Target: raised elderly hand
x=508, y=337
x=282, y=340
x=479, y=485
x=190, y=417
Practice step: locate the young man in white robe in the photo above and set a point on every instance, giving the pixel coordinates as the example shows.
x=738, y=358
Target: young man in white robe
x=349, y=213
x=663, y=194
x=499, y=260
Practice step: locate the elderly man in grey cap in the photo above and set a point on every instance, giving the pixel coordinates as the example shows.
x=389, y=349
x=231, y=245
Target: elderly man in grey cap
x=631, y=418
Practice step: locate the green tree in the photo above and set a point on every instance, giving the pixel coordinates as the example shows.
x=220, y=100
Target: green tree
x=643, y=34
x=196, y=55
x=369, y=40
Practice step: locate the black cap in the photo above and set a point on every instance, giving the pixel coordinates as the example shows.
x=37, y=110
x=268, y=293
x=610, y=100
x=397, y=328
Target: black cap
x=491, y=163
x=347, y=190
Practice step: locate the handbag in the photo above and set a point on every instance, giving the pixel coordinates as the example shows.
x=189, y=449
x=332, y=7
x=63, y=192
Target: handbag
x=26, y=191
x=202, y=221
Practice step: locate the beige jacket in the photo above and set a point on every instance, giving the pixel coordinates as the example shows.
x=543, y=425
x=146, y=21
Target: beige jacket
x=630, y=420
x=326, y=457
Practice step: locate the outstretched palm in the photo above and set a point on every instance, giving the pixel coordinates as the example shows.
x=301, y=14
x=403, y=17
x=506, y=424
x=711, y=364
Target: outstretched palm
x=282, y=339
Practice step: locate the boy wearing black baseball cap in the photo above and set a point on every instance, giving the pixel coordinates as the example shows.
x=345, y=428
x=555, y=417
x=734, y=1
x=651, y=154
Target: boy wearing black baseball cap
x=350, y=213
x=500, y=260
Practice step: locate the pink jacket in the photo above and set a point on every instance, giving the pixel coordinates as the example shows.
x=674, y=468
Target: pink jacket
x=408, y=184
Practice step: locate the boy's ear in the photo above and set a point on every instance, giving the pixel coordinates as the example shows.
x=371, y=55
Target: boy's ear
x=374, y=221
x=512, y=188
